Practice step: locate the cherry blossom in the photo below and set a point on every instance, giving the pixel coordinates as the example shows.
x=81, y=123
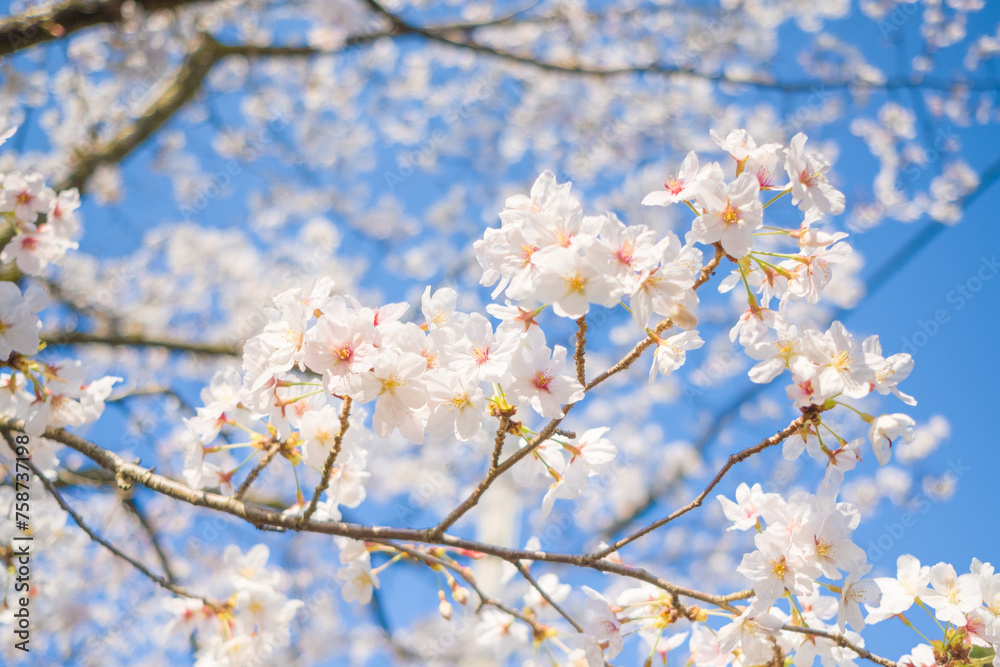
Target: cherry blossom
x=807, y=172
x=732, y=213
x=538, y=381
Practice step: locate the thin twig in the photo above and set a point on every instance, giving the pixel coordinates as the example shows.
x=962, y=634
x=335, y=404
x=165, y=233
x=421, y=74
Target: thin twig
x=274, y=519
x=578, y=354
x=545, y=596
x=50, y=487
x=462, y=39
x=138, y=340
x=841, y=640
x=252, y=477
x=733, y=459
x=499, y=440
x=484, y=599
x=324, y=482
x=552, y=426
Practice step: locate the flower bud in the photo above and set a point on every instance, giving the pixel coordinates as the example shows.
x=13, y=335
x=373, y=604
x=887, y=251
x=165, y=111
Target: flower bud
x=445, y=607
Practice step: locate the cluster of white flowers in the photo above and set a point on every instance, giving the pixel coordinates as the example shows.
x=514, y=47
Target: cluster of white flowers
x=323, y=356
x=36, y=243
x=547, y=251
x=425, y=380
x=825, y=365
x=801, y=542
x=249, y=625
x=45, y=395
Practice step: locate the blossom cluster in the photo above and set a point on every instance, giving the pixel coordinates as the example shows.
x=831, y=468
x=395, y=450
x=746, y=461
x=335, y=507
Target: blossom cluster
x=548, y=251
x=824, y=365
x=427, y=380
x=250, y=624
x=803, y=548
x=44, y=395
x=44, y=222
x=326, y=366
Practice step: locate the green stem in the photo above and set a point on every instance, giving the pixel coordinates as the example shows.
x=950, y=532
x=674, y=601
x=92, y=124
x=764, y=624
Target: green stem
x=777, y=197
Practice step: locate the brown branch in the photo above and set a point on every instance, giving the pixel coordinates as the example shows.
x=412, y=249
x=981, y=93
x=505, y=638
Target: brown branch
x=545, y=596
x=154, y=538
x=132, y=473
x=44, y=24
x=324, y=482
x=841, y=640
x=462, y=39
x=252, y=477
x=50, y=487
x=499, y=440
x=581, y=346
x=496, y=470
x=138, y=340
x=779, y=437
x=706, y=272
x=185, y=84
x=484, y=599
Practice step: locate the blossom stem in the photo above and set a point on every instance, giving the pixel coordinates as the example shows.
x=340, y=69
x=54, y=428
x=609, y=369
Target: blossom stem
x=777, y=197
x=312, y=393
x=385, y=565
x=659, y=635
x=219, y=448
x=797, y=258
x=924, y=607
x=864, y=415
x=746, y=284
x=840, y=440
x=910, y=625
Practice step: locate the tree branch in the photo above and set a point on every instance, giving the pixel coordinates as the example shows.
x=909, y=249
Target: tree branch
x=324, y=482
x=252, y=477
x=185, y=84
x=50, y=487
x=545, y=596
x=581, y=347
x=131, y=473
x=44, y=24
x=496, y=470
x=138, y=340
x=841, y=640
x=462, y=39
x=779, y=437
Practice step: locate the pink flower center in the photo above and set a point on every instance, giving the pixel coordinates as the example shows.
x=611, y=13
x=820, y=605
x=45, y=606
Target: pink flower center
x=625, y=253
x=481, y=354
x=542, y=380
